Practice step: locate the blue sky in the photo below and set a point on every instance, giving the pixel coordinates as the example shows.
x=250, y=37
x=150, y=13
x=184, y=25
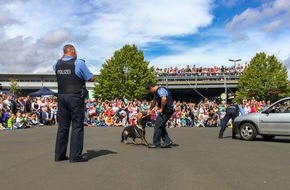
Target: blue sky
x=170, y=32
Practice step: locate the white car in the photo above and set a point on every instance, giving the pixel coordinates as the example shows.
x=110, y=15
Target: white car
x=270, y=122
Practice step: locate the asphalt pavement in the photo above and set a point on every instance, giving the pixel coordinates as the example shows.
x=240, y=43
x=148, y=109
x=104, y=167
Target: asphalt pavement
x=197, y=160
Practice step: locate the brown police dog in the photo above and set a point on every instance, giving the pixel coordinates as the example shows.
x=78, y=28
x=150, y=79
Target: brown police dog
x=136, y=131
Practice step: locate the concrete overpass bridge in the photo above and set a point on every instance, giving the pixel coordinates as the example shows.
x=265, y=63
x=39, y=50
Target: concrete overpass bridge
x=199, y=87
x=182, y=87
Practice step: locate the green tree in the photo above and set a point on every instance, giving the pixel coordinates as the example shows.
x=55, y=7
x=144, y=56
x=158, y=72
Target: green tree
x=265, y=79
x=124, y=75
x=14, y=87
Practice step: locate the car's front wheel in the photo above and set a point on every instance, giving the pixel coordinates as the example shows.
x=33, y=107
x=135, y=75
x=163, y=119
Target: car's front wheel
x=248, y=132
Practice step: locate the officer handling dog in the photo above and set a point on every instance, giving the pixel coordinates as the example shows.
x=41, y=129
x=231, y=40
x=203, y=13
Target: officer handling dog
x=232, y=112
x=163, y=98
x=71, y=74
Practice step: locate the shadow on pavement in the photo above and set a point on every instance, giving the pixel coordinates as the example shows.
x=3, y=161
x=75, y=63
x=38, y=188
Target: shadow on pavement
x=96, y=153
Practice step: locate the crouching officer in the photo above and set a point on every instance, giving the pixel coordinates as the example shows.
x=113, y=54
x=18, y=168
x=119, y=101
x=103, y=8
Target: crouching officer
x=163, y=98
x=71, y=74
x=232, y=112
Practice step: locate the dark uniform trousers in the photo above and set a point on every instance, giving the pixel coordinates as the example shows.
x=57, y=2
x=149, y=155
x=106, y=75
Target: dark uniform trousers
x=71, y=113
x=160, y=129
x=231, y=113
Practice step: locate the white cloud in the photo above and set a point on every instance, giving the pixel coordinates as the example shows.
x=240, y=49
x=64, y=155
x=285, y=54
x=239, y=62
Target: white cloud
x=272, y=15
x=98, y=28
x=55, y=38
x=34, y=31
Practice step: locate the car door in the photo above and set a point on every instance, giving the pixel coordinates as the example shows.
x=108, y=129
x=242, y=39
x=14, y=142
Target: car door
x=276, y=123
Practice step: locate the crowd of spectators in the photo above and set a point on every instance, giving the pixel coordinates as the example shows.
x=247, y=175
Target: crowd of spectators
x=121, y=112
x=200, y=71
x=26, y=112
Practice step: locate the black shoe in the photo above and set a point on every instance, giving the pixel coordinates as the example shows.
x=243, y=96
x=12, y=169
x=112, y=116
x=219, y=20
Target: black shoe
x=61, y=159
x=79, y=160
x=220, y=137
x=166, y=145
x=234, y=137
x=153, y=146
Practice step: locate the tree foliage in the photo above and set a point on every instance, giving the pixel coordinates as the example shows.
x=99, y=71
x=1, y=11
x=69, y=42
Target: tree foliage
x=124, y=75
x=265, y=78
x=14, y=87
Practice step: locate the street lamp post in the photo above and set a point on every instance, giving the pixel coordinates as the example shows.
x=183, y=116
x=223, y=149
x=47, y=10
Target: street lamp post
x=235, y=60
x=126, y=70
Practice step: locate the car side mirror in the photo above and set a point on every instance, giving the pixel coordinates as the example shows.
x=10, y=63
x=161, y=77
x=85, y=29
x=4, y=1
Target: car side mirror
x=265, y=111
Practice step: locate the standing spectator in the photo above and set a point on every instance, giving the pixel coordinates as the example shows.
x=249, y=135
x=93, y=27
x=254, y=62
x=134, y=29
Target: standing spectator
x=222, y=115
x=15, y=106
x=144, y=106
x=7, y=103
x=71, y=74
x=53, y=111
x=135, y=109
x=35, y=106
x=27, y=104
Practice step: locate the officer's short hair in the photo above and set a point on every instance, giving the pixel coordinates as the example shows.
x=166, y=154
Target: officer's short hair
x=67, y=48
x=149, y=85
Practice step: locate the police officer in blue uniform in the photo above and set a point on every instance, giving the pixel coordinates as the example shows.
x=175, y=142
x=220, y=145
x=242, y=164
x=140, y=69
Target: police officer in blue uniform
x=232, y=112
x=71, y=74
x=163, y=98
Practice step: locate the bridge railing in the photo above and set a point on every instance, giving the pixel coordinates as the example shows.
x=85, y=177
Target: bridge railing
x=198, y=80
x=177, y=81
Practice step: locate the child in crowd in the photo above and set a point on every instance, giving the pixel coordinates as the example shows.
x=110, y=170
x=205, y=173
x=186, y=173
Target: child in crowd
x=101, y=120
x=109, y=121
x=5, y=117
x=183, y=118
x=27, y=120
x=178, y=121
x=11, y=121
x=170, y=123
x=200, y=121
x=34, y=120
x=117, y=121
x=19, y=121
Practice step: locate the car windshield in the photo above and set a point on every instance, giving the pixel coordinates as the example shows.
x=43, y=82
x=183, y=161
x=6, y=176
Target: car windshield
x=281, y=107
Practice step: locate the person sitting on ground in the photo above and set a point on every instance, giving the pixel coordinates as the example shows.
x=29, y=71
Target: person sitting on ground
x=200, y=122
x=117, y=121
x=46, y=116
x=27, y=120
x=34, y=120
x=109, y=121
x=19, y=121
x=101, y=120
x=11, y=121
